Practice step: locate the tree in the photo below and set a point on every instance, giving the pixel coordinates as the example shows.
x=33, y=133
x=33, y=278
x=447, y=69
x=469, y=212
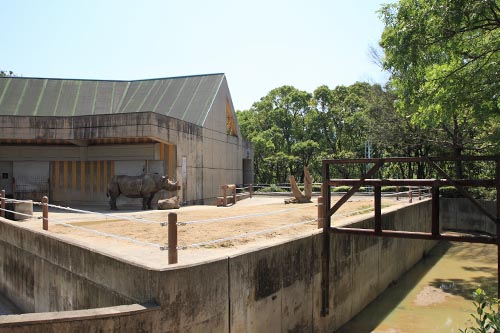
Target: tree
x=277, y=126
x=443, y=57
x=6, y=73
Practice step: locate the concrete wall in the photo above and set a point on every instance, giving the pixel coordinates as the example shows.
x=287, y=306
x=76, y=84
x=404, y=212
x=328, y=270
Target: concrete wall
x=124, y=318
x=223, y=154
x=212, y=157
x=460, y=214
x=272, y=289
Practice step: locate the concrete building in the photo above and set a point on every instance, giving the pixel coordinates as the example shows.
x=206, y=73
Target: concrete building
x=66, y=138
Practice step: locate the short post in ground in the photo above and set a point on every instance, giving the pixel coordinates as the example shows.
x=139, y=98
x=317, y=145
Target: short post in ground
x=172, y=238
x=45, y=212
x=321, y=212
x=2, y=199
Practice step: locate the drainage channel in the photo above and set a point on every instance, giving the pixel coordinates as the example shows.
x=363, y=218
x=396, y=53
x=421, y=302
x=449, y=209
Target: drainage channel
x=434, y=296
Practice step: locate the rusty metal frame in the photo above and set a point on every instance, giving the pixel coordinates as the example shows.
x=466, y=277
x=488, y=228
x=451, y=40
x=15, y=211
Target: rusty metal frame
x=377, y=183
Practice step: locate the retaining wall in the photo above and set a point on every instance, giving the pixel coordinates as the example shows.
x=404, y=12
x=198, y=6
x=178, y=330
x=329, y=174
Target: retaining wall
x=461, y=214
x=272, y=289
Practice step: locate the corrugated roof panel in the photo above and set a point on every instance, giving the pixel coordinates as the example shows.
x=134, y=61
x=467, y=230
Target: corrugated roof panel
x=154, y=95
x=4, y=84
x=86, y=98
x=182, y=101
x=188, y=98
x=48, y=102
x=142, y=94
x=67, y=97
x=120, y=89
x=169, y=97
x=130, y=101
x=104, y=97
x=29, y=101
x=10, y=100
x=193, y=107
x=204, y=97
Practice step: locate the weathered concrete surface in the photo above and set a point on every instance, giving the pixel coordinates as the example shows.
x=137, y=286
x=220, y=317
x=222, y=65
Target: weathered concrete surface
x=460, y=214
x=271, y=289
x=212, y=157
x=278, y=289
x=125, y=318
x=7, y=307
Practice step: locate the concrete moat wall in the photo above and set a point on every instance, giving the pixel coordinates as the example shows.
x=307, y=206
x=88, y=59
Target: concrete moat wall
x=273, y=289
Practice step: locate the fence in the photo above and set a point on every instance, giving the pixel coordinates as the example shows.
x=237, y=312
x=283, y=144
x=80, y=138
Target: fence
x=30, y=187
x=172, y=224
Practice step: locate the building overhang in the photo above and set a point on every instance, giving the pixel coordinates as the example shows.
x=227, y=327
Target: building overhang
x=140, y=127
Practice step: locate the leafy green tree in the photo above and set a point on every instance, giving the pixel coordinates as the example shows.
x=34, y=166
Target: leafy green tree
x=277, y=126
x=443, y=57
x=6, y=73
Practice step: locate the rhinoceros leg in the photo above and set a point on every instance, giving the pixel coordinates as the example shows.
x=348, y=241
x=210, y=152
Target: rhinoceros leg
x=144, y=202
x=150, y=199
x=112, y=203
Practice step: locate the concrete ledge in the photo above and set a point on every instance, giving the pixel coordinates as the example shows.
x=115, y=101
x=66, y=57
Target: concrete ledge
x=74, y=319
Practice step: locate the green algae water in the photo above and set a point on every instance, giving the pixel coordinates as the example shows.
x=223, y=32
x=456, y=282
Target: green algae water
x=435, y=296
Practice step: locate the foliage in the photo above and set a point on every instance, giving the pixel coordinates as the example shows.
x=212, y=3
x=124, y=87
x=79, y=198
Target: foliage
x=476, y=192
x=486, y=318
x=341, y=189
x=394, y=189
x=441, y=100
x=6, y=73
x=291, y=129
x=271, y=188
x=443, y=57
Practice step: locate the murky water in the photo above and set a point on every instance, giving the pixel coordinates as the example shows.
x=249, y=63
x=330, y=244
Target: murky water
x=435, y=296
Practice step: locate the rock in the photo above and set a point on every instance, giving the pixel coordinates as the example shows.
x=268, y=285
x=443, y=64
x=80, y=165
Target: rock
x=170, y=203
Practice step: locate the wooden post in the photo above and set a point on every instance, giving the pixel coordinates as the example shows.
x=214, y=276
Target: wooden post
x=234, y=194
x=325, y=253
x=397, y=192
x=321, y=212
x=45, y=210
x=172, y=238
x=224, y=194
x=378, y=209
x=435, y=209
x=2, y=212
x=410, y=195
x=250, y=189
x=420, y=193
x=13, y=188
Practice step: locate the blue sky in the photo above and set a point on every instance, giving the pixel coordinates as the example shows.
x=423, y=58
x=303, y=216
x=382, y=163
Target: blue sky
x=259, y=44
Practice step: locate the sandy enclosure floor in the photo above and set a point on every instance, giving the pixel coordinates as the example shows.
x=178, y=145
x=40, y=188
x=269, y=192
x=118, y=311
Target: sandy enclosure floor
x=203, y=231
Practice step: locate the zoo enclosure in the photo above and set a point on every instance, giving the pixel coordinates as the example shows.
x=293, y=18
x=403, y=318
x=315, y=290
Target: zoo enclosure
x=444, y=180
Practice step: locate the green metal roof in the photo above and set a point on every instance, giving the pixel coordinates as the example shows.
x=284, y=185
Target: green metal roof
x=186, y=98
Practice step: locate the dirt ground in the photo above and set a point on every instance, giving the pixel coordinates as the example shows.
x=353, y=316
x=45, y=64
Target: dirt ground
x=202, y=230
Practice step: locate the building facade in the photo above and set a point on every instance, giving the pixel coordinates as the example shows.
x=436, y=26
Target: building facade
x=66, y=138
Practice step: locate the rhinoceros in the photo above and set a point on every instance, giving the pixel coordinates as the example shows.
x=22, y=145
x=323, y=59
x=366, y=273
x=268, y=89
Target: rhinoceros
x=144, y=186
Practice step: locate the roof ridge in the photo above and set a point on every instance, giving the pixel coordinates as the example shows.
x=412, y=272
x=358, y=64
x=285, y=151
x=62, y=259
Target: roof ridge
x=106, y=80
